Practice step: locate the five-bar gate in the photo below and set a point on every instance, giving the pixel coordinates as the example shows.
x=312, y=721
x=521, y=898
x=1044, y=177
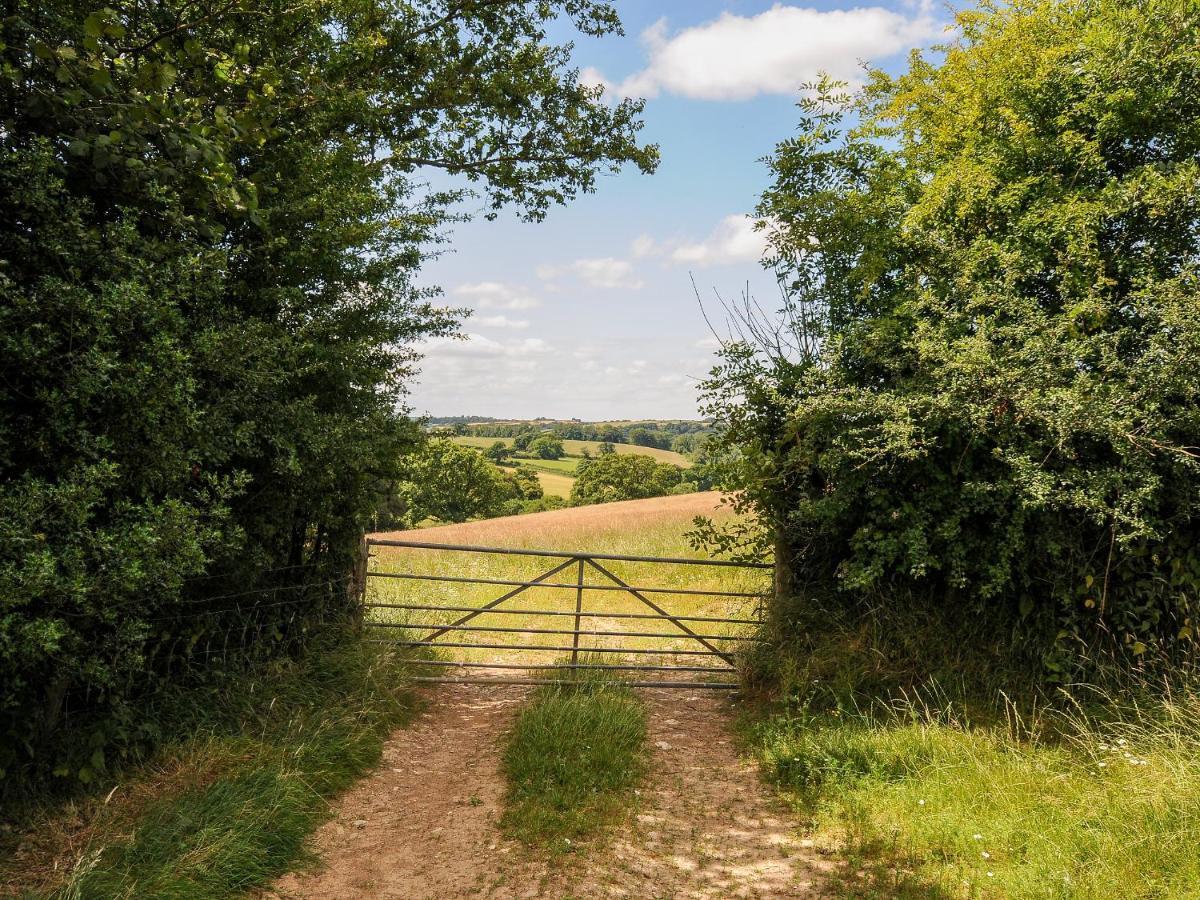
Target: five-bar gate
x=707, y=654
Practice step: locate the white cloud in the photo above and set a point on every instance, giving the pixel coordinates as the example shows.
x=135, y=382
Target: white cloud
x=478, y=345
x=737, y=57
x=734, y=240
x=495, y=295
x=590, y=76
x=604, y=272
x=500, y=321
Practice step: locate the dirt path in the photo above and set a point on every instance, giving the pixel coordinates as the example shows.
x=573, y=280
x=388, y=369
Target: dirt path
x=423, y=827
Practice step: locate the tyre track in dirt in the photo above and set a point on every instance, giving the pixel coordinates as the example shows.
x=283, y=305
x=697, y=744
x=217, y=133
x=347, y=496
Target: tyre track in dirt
x=424, y=825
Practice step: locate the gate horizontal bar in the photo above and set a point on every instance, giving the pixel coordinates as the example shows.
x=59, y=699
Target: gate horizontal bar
x=618, y=666
x=553, y=612
x=457, y=579
x=435, y=626
x=538, y=682
x=564, y=554
x=436, y=644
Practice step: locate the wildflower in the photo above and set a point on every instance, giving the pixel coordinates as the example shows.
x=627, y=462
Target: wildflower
x=1102, y=765
x=920, y=803
x=977, y=837
x=991, y=874
x=986, y=855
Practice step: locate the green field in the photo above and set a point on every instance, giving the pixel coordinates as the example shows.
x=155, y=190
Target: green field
x=554, y=484
x=574, y=450
x=558, y=475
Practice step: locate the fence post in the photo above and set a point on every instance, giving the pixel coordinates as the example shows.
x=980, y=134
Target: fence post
x=785, y=576
x=358, y=582
x=578, y=613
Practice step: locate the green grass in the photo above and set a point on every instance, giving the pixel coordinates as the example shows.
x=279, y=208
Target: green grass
x=229, y=808
x=961, y=786
x=575, y=449
x=573, y=760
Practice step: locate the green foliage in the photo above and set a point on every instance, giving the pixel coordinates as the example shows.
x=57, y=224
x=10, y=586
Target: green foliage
x=645, y=437
x=449, y=483
x=547, y=446
x=614, y=476
x=212, y=222
x=525, y=484
x=572, y=760
x=498, y=452
x=991, y=400
x=543, y=504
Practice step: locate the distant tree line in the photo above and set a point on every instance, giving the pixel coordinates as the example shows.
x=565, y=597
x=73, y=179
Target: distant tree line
x=680, y=436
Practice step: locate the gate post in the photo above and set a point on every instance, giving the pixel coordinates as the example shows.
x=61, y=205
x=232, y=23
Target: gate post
x=358, y=582
x=578, y=613
x=784, y=574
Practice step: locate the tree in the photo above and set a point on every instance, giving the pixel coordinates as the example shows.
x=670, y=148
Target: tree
x=623, y=477
x=450, y=483
x=546, y=447
x=982, y=395
x=213, y=218
x=498, y=452
x=525, y=484
x=606, y=448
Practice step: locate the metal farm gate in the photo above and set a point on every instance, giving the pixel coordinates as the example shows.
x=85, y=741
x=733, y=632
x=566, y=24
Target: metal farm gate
x=435, y=623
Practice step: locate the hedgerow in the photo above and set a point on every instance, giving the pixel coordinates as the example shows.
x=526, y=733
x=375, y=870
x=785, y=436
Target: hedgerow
x=982, y=391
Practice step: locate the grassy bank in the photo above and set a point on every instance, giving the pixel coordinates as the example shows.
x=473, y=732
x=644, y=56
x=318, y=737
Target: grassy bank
x=228, y=808
x=960, y=787
x=572, y=760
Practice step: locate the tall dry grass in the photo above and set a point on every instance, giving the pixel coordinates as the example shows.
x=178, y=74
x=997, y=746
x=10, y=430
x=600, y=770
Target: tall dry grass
x=655, y=527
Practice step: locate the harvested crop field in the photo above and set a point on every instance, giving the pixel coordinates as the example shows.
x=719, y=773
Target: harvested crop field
x=604, y=526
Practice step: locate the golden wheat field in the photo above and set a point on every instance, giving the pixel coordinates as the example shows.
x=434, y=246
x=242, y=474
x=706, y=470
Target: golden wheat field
x=655, y=527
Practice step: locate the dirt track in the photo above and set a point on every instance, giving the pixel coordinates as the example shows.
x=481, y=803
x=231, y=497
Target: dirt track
x=423, y=827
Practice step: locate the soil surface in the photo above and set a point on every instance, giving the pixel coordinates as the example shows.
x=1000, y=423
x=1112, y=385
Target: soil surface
x=424, y=826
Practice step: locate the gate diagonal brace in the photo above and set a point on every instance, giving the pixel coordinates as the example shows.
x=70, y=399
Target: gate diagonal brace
x=658, y=609
x=469, y=616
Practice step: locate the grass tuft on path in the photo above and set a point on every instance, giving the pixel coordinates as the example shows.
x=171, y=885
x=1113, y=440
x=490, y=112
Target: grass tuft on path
x=573, y=759
x=229, y=808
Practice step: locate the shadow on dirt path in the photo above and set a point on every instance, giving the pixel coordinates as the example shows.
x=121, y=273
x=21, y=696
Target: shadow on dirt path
x=423, y=827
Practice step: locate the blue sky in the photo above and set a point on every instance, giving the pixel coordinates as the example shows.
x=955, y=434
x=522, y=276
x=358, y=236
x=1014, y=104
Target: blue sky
x=591, y=313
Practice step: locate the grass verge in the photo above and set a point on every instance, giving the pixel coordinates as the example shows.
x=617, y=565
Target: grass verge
x=933, y=790
x=228, y=808
x=573, y=759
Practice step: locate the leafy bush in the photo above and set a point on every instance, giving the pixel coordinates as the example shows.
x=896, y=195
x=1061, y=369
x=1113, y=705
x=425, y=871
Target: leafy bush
x=992, y=295
x=614, y=476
